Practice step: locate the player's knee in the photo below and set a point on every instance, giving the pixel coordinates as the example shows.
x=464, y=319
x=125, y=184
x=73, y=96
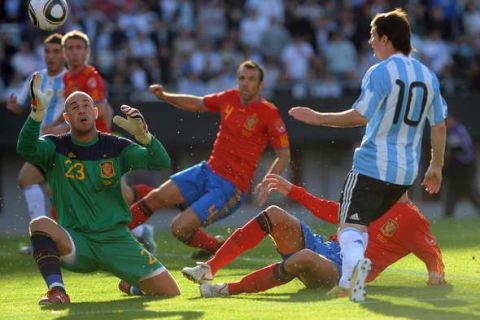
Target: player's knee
x=281, y=273
x=24, y=181
x=301, y=260
x=182, y=229
x=43, y=224
x=276, y=214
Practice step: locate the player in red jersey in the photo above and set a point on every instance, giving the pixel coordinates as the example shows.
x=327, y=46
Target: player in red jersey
x=214, y=189
x=402, y=230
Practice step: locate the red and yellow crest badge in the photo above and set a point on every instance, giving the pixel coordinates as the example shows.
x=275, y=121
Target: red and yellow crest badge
x=251, y=122
x=389, y=228
x=107, y=169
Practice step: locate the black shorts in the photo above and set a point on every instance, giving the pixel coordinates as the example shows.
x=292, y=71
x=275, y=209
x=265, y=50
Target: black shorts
x=364, y=199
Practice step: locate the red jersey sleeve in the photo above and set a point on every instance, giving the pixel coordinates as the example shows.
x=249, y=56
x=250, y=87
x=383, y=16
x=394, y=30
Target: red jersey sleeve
x=277, y=131
x=96, y=87
x=214, y=101
x=423, y=244
x=324, y=209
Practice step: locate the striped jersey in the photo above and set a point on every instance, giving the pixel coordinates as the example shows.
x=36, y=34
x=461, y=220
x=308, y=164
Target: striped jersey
x=398, y=95
x=56, y=105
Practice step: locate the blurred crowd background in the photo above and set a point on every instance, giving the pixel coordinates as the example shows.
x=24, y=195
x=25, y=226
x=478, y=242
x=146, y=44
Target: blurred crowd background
x=309, y=48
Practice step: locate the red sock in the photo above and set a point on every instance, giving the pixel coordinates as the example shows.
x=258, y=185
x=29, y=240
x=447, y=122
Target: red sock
x=140, y=213
x=257, y=281
x=241, y=240
x=140, y=191
x=203, y=240
x=53, y=212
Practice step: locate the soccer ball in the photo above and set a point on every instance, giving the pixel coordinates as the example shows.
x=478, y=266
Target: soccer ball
x=48, y=15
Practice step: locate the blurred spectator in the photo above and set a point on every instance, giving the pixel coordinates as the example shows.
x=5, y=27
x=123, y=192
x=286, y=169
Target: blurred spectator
x=460, y=167
x=24, y=61
x=138, y=76
x=326, y=87
x=296, y=58
x=274, y=39
x=436, y=52
x=203, y=57
x=251, y=29
x=266, y=9
x=446, y=34
x=212, y=20
x=142, y=46
x=341, y=57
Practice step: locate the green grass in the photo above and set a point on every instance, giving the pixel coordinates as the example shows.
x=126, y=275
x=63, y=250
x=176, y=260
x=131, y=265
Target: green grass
x=399, y=293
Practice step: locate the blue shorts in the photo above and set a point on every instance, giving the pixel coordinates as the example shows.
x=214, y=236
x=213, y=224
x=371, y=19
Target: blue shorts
x=328, y=249
x=210, y=196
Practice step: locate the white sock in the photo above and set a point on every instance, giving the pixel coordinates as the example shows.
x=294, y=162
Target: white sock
x=352, y=246
x=365, y=240
x=138, y=231
x=35, y=199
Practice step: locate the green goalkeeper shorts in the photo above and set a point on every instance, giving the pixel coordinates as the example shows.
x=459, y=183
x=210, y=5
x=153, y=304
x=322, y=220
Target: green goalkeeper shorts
x=116, y=252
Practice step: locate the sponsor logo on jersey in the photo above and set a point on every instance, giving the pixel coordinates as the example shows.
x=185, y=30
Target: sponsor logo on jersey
x=389, y=228
x=107, y=169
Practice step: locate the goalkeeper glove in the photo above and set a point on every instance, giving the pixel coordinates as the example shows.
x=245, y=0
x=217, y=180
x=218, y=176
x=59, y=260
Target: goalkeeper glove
x=39, y=99
x=134, y=123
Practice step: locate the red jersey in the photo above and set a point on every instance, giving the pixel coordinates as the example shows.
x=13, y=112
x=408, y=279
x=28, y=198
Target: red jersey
x=89, y=81
x=243, y=135
x=400, y=231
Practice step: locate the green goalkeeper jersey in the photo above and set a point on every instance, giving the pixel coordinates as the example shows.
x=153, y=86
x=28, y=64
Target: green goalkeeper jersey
x=85, y=177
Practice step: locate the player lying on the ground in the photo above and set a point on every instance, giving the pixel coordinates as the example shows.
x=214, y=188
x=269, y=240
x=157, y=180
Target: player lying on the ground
x=84, y=168
x=315, y=262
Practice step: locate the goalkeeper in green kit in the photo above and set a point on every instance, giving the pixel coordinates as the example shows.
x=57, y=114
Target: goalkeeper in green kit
x=83, y=168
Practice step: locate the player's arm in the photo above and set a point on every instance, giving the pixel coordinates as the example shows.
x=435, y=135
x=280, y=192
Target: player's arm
x=278, y=166
x=345, y=119
x=151, y=154
x=433, y=177
x=182, y=101
x=324, y=209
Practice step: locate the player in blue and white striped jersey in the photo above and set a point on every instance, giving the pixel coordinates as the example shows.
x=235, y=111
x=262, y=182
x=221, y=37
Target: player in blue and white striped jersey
x=398, y=96
x=30, y=177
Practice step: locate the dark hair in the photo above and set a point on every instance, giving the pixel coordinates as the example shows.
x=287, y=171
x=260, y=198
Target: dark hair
x=54, y=38
x=250, y=64
x=395, y=26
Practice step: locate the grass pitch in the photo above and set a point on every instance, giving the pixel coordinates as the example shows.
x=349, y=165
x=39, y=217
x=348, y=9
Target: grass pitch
x=399, y=293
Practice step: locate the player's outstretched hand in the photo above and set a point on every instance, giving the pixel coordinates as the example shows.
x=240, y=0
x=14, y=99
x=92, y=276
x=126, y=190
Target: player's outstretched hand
x=261, y=193
x=133, y=123
x=39, y=99
x=277, y=183
x=304, y=114
x=157, y=90
x=436, y=279
x=433, y=179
